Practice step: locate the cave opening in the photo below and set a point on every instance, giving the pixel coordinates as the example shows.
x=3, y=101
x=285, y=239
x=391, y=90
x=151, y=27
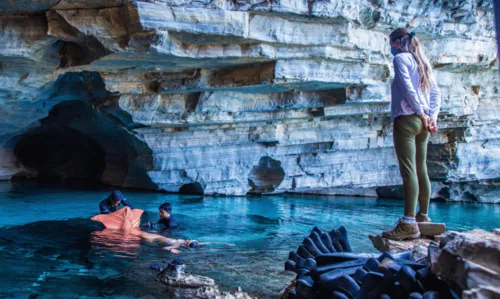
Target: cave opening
x=84, y=137
x=194, y=188
x=61, y=153
x=266, y=176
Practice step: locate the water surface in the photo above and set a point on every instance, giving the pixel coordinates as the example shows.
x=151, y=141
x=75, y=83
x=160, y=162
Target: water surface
x=48, y=245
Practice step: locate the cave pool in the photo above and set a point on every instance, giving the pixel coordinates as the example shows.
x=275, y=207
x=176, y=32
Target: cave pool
x=47, y=246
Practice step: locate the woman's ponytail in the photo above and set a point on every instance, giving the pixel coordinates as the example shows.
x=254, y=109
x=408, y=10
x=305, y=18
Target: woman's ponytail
x=409, y=43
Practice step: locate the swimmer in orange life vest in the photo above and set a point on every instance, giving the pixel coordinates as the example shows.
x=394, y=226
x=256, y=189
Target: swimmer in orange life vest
x=128, y=221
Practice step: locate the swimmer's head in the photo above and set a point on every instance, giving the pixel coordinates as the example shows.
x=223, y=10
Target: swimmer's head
x=192, y=244
x=116, y=197
x=165, y=210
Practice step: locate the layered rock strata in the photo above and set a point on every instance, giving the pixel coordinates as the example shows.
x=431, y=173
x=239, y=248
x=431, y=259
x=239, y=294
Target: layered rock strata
x=232, y=97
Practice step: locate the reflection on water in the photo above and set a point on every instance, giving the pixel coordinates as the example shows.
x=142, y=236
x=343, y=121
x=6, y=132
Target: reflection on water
x=116, y=242
x=49, y=246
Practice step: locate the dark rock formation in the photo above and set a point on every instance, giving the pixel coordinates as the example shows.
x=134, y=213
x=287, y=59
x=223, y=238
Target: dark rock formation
x=84, y=136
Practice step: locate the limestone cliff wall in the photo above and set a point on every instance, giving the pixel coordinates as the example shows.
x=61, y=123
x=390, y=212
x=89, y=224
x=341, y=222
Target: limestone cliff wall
x=238, y=96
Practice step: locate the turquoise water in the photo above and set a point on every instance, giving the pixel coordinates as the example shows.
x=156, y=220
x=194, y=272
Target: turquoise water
x=48, y=245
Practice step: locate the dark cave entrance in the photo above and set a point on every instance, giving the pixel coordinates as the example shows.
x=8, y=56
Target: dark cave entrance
x=266, y=176
x=192, y=188
x=61, y=153
x=85, y=137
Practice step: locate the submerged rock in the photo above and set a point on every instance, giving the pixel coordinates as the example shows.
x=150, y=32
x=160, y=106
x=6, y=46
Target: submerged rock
x=215, y=293
x=190, y=285
x=174, y=276
x=187, y=281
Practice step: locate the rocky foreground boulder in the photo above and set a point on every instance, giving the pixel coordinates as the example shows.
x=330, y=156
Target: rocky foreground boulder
x=469, y=262
x=430, y=232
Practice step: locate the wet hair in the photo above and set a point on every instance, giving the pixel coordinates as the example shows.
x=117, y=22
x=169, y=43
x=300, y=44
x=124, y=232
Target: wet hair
x=166, y=207
x=409, y=43
x=117, y=196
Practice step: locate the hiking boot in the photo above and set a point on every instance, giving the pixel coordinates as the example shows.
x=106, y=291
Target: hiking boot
x=403, y=231
x=422, y=218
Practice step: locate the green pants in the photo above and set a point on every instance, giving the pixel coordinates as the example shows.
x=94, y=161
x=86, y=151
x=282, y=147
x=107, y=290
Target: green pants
x=410, y=143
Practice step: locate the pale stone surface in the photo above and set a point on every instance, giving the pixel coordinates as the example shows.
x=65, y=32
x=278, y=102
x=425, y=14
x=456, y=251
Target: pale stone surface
x=192, y=20
x=483, y=191
x=388, y=245
x=215, y=293
x=430, y=229
x=213, y=87
x=187, y=281
x=280, y=30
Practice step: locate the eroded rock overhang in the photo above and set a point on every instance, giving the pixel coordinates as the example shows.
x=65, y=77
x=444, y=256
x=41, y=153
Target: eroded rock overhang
x=202, y=91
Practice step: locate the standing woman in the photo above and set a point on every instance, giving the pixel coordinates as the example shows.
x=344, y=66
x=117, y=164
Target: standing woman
x=415, y=103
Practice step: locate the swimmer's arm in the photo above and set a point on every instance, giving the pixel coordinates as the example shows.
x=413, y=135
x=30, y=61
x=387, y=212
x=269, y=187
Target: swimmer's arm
x=153, y=237
x=173, y=248
x=126, y=203
x=218, y=243
x=104, y=207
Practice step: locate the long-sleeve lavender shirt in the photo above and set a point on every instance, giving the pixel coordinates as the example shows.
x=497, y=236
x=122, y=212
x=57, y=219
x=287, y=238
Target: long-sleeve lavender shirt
x=406, y=97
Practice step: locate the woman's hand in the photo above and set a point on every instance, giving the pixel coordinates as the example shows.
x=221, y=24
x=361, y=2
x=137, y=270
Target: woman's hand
x=432, y=126
x=425, y=119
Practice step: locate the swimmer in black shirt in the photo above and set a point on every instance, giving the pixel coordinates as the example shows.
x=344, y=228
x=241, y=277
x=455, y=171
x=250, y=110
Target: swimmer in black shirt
x=166, y=218
x=110, y=204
